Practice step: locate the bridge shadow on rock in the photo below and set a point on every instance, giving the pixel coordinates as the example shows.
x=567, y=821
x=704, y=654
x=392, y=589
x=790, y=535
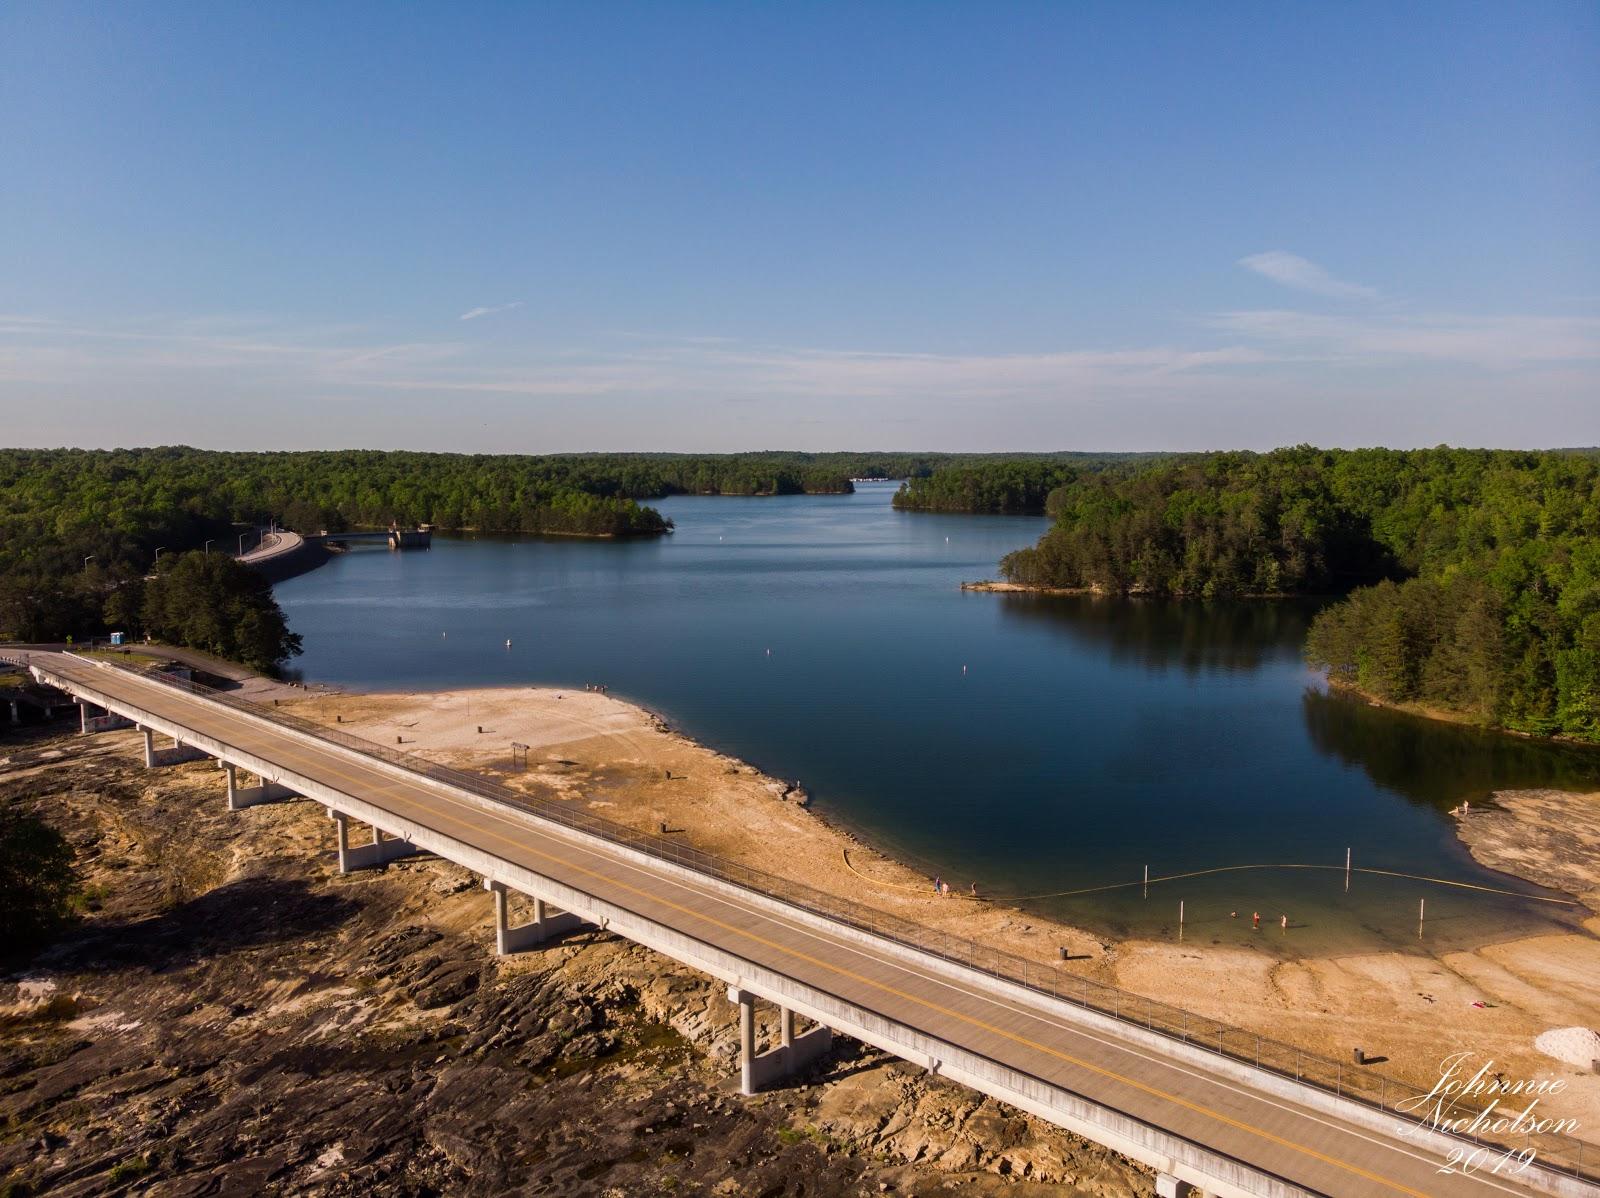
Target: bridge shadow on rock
x=245, y=914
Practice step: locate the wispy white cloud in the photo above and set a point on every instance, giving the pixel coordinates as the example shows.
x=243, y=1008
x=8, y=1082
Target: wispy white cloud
x=475, y=313
x=1254, y=376
x=621, y=364
x=1291, y=270
x=1504, y=342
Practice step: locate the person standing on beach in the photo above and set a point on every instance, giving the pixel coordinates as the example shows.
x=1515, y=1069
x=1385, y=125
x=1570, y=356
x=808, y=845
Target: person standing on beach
x=1285, y=922
x=1255, y=920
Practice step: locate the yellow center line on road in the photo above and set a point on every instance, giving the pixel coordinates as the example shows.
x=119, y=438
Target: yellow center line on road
x=290, y=747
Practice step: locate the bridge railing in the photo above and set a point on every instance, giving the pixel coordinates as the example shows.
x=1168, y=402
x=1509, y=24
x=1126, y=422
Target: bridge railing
x=1483, y=1139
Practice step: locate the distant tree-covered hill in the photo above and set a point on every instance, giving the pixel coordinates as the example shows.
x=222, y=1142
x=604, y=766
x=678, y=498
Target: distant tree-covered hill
x=1473, y=576
x=1004, y=483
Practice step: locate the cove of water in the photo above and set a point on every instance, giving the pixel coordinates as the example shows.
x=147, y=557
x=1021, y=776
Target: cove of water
x=1034, y=745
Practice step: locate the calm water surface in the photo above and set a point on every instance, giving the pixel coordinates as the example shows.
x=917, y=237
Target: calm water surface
x=1035, y=745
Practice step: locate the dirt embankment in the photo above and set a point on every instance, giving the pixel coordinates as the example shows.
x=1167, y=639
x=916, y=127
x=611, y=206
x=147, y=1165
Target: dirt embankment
x=234, y=1016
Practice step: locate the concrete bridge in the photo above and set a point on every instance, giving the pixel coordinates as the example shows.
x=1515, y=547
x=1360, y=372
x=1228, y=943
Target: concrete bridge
x=281, y=554
x=1193, y=1107
x=396, y=538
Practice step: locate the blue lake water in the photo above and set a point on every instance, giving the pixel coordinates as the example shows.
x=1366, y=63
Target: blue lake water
x=1033, y=744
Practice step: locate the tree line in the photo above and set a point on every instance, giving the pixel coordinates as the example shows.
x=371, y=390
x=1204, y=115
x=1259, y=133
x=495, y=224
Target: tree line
x=80, y=530
x=1004, y=484
x=1471, y=578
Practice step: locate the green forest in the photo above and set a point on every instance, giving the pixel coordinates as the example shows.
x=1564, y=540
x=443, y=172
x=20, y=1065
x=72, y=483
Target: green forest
x=1470, y=578
x=82, y=530
x=1010, y=484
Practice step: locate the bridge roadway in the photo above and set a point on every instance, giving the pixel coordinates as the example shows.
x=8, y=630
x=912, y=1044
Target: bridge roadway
x=1222, y=1134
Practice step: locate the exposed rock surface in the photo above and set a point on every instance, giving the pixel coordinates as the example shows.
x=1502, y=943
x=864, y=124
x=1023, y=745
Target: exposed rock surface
x=1550, y=837
x=232, y=1016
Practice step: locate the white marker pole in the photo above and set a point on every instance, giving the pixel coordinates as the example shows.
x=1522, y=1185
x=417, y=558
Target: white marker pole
x=1147, y=881
x=1347, y=871
x=1422, y=906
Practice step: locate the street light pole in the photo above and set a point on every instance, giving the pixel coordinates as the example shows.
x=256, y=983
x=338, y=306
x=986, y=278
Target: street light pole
x=208, y=547
x=158, y=554
x=242, y=536
x=86, y=562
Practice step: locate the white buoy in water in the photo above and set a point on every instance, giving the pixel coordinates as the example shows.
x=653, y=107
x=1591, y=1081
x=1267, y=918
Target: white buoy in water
x=508, y=642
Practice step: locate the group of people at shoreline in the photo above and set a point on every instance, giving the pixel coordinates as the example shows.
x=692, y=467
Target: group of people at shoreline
x=942, y=889
x=1255, y=920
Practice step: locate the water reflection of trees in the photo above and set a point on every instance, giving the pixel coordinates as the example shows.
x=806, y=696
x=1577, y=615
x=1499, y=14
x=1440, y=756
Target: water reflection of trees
x=1162, y=634
x=1440, y=764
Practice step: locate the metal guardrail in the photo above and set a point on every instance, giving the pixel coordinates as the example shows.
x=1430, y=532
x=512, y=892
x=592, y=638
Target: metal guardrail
x=1556, y=1152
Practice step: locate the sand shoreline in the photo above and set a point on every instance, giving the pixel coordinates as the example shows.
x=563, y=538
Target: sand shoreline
x=996, y=586
x=625, y=762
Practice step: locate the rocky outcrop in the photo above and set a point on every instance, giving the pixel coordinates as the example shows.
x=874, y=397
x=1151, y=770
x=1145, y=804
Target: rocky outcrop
x=232, y=1015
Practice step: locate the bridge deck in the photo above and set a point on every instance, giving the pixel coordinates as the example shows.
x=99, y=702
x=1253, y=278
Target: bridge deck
x=1306, y=1148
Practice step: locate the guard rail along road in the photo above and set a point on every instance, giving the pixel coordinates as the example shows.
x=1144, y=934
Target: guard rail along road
x=1205, y=1105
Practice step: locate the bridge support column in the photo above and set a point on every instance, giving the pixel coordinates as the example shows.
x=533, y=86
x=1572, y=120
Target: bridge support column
x=381, y=851
x=793, y=1053
x=542, y=927
x=16, y=712
x=177, y=755
x=1168, y=1186
x=341, y=824
x=107, y=722
x=747, y=1038
x=240, y=797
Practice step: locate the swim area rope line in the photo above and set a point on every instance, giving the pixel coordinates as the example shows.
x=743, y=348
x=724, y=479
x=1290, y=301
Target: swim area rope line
x=1224, y=869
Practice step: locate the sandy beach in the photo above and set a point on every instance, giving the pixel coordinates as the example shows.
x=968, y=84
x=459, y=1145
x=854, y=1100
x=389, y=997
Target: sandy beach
x=622, y=762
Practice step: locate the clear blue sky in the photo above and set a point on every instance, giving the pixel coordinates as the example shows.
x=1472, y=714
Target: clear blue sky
x=722, y=226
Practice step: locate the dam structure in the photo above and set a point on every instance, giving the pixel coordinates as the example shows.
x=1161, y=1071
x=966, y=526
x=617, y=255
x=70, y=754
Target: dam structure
x=1192, y=1104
